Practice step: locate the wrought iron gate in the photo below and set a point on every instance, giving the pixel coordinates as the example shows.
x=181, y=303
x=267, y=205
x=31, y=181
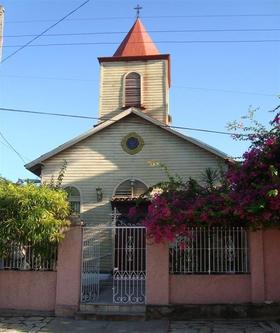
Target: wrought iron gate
x=113, y=265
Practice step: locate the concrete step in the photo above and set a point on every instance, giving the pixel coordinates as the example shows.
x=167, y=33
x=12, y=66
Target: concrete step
x=113, y=308
x=117, y=316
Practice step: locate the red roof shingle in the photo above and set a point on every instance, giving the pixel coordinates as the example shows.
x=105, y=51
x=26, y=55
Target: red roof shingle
x=137, y=43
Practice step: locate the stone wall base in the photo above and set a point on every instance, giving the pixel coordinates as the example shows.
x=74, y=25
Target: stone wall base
x=213, y=311
x=25, y=313
x=64, y=310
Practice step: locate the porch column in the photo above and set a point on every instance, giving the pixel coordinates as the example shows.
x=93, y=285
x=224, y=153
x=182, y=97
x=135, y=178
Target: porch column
x=257, y=267
x=157, y=274
x=68, y=273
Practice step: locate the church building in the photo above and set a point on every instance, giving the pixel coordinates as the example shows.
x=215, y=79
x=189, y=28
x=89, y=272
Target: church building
x=111, y=162
x=107, y=265
x=109, y=167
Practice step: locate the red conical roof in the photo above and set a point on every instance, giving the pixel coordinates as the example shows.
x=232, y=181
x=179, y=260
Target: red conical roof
x=137, y=43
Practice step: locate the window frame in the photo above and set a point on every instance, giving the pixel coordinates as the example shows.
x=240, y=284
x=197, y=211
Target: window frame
x=75, y=199
x=125, y=104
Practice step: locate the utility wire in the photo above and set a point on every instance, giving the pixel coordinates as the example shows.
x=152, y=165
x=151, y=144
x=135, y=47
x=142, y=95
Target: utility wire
x=156, y=42
x=4, y=144
x=149, y=31
x=226, y=91
x=21, y=47
x=113, y=121
x=150, y=17
x=12, y=147
x=173, y=86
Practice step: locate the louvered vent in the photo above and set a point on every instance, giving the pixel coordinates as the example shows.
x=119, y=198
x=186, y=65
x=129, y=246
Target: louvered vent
x=133, y=90
x=130, y=189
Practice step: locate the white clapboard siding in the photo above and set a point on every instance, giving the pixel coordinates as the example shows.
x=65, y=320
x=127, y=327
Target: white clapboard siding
x=154, y=87
x=99, y=161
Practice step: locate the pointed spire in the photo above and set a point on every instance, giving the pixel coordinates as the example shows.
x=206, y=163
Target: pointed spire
x=137, y=43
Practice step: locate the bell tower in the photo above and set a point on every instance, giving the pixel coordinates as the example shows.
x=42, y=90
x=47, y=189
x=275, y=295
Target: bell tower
x=137, y=75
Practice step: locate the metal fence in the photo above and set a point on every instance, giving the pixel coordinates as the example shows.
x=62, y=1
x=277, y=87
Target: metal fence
x=216, y=250
x=30, y=258
x=113, y=265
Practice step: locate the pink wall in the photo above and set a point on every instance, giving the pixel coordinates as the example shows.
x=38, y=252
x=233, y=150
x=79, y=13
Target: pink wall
x=47, y=291
x=68, y=273
x=27, y=290
x=261, y=285
x=271, y=247
x=207, y=289
x=157, y=281
x=60, y=291
x=257, y=267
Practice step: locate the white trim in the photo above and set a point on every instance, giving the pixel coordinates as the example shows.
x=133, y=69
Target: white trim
x=112, y=121
x=101, y=81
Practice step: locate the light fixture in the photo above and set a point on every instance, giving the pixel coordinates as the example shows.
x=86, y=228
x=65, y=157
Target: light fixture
x=99, y=194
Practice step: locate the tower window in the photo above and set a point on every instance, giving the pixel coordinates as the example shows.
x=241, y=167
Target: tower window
x=133, y=90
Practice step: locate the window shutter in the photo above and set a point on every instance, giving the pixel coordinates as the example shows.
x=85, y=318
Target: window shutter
x=133, y=90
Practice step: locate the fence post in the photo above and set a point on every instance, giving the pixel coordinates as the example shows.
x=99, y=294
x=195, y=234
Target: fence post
x=69, y=273
x=257, y=266
x=157, y=288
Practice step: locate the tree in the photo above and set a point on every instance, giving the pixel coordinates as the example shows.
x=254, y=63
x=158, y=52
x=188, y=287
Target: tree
x=31, y=214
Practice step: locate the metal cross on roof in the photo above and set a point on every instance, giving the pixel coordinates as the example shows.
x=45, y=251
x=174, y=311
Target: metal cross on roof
x=138, y=8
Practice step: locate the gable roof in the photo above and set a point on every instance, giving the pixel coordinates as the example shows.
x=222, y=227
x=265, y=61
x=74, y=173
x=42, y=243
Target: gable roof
x=35, y=165
x=137, y=42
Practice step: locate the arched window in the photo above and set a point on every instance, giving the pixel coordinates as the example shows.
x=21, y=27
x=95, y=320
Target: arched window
x=130, y=188
x=74, y=198
x=133, y=89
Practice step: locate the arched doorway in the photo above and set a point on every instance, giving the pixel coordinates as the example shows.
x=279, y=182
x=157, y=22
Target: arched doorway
x=125, y=196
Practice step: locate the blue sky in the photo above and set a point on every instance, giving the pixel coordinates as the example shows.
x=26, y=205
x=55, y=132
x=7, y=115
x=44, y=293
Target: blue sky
x=212, y=83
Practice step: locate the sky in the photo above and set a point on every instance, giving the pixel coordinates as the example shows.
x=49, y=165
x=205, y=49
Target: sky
x=212, y=83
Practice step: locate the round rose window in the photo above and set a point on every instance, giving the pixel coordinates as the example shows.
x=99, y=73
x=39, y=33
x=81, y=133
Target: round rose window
x=132, y=143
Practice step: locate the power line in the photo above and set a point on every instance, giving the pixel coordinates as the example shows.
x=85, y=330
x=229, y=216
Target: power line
x=12, y=147
x=173, y=86
x=156, y=42
x=49, y=78
x=149, y=31
x=4, y=144
x=43, y=32
x=150, y=17
x=113, y=121
x=227, y=91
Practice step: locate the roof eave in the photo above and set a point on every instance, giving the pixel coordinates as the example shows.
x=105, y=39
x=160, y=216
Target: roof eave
x=37, y=163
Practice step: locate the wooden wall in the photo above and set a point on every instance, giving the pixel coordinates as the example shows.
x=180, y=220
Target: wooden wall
x=154, y=87
x=99, y=161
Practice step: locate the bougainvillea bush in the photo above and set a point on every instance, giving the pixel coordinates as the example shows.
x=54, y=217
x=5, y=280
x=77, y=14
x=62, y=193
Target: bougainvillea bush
x=247, y=194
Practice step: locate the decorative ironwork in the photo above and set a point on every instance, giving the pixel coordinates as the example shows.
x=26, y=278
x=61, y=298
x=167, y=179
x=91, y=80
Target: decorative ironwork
x=30, y=258
x=129, y=275
x=90, y=267
x=125, y=246
x=217, y=250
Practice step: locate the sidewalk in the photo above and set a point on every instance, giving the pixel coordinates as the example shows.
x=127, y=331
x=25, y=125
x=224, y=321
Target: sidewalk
x=65, y=325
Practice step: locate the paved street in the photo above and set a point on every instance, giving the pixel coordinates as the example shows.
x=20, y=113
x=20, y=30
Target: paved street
x=61, y=325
